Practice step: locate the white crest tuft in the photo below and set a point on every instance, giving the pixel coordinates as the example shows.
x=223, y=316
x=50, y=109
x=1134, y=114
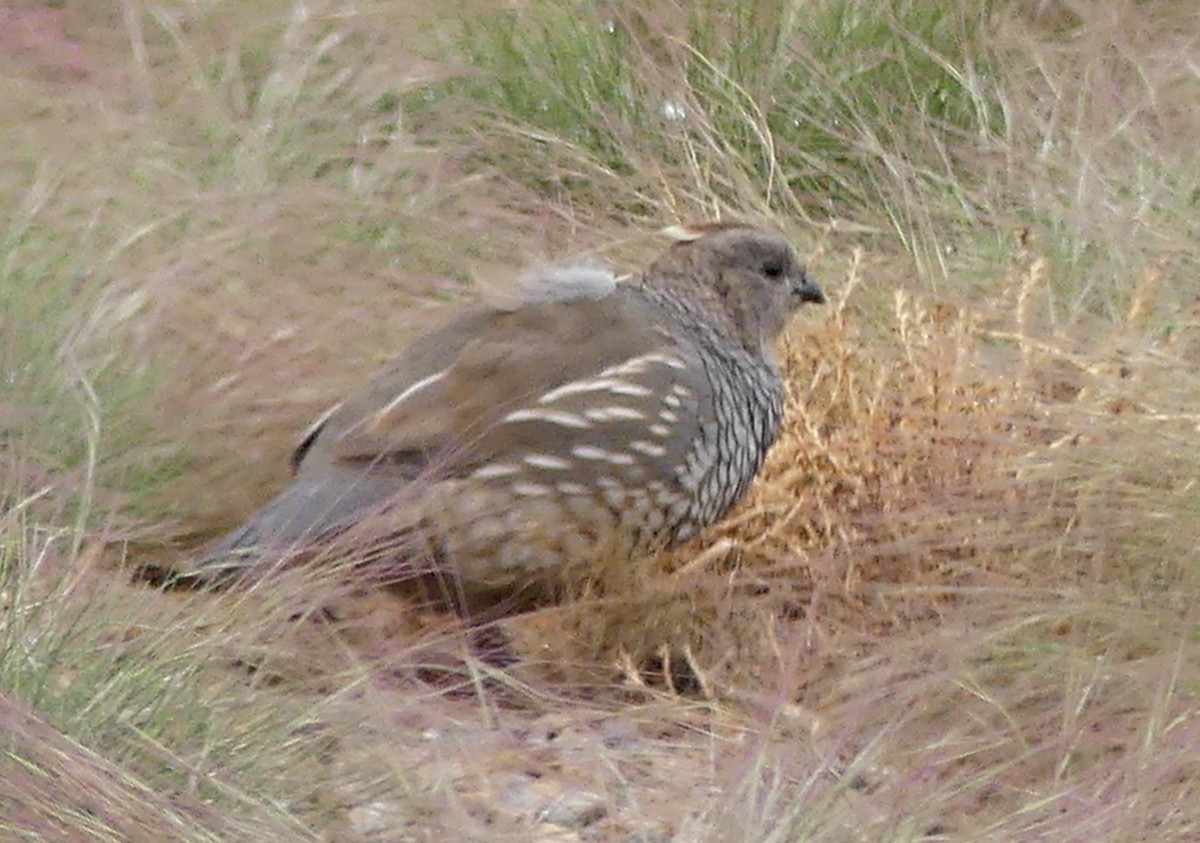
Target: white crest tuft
x=540, y=284
x=683, y=233
x=688, y=232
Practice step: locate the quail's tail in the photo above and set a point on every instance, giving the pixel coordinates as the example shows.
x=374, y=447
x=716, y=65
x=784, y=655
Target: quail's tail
x=308, y=513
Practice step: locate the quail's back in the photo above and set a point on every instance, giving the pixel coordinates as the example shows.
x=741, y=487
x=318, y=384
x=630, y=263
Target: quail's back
x=590, y=419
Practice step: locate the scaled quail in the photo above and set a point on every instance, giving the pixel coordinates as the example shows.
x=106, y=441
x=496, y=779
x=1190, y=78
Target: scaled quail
x=581, y=417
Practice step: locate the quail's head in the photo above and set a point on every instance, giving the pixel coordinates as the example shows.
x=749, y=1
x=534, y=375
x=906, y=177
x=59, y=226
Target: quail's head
x=752, y=277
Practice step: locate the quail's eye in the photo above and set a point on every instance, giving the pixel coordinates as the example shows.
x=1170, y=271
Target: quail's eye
x=773, y=268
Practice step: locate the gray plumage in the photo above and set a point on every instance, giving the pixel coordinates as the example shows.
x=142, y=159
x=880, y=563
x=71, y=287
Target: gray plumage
x=591, y=418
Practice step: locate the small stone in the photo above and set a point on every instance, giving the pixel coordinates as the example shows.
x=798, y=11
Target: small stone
x=556, y=834
x=620, y=735
x=647, y=837
x=575, y=809
x=516, y=790
x=549, y=729
x=375, y=818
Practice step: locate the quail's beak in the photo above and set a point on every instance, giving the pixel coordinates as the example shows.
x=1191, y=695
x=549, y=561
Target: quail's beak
x=806, y=290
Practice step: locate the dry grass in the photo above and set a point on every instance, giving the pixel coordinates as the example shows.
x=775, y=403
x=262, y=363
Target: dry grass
x=960, y=602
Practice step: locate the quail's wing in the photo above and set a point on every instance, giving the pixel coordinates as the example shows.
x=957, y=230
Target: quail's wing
x=402, y=375
x=588, y=388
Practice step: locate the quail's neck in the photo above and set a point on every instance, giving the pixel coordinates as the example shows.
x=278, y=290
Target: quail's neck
x=701, y=313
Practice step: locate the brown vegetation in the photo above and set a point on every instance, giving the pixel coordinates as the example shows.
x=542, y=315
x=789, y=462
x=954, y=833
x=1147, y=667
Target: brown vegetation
x=959, y=604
